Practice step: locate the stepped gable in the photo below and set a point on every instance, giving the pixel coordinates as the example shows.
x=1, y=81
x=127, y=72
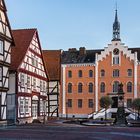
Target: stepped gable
x=135, y=50
x=52, y=63
x=22, y=38
x=74, y=56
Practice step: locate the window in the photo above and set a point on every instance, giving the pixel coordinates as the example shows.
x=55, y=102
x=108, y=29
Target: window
x=1, y=73
x=21, y=109
x=41, y=106
x=90, y=73
x=69, y=73
x=79, y=103
x=80, y=86
x=116, y=60
x=129, y=103
x=80, y=73
x=69, y=88
x=26, y=105
x=28, y=81
x=129, y=72
x=116, y=73
x=34, y=83
x=69, y=103
x=1, y=47
x=102, y=87
x=44, y=86
x=90, y=88
x=102, y=73
x=90, y=103
x=22, y=79
x=129, y=87
x=34, y=61
x=115, y=86
x=41, y=85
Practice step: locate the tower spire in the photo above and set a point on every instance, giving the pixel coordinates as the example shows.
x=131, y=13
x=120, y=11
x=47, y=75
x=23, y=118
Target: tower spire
x=116, y=27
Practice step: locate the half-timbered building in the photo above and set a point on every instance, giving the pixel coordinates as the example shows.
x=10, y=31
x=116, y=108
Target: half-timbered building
x=28, y=78
x=52, y=61
x=6, y=40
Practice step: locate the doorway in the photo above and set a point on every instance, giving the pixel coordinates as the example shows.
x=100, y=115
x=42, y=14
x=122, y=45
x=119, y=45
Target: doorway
x=34, y=109
x=115, y=102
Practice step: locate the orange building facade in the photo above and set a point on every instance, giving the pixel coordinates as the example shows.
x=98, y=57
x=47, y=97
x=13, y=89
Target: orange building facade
x=87, y=75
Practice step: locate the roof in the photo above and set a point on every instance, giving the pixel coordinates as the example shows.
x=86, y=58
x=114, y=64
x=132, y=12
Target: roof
x=52, y=60
x=73, y=56
x=22, y=38
x=69, y=57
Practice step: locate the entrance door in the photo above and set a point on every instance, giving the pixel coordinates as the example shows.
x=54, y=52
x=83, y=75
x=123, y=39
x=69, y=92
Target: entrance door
x=115, y=102
x=34, y=109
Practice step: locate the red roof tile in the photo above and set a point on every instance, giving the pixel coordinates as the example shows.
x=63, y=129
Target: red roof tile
x=22, y=38
x=52, y=62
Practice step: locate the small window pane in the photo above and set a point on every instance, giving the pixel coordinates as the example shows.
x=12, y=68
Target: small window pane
x=79, y=103
x=129, y=72
x=90, y=88
x=69, y=103
x=1, y=73
x=90, y=103
x=129, y=87
x=80, y=86
x=69, y=74
x=80, y=73
x=102, y=73
x=1, y=46
x=69, y=88
x=90, y=73
x=102, y=87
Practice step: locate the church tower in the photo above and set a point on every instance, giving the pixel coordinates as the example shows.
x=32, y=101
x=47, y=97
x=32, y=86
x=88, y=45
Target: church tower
x=116, y=29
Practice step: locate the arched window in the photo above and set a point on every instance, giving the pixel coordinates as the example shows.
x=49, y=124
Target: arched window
x=69, y=73
x=80, y=73
x=129, y=72
x=102, y=87
x=116, y=73
x=115, y=86
x=69, y=87
x=129, y=87
x=90, y=73
x=102, y=73
x=90, y=88
x=80, y=87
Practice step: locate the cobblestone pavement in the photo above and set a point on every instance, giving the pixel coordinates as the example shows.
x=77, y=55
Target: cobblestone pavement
x=59, y=131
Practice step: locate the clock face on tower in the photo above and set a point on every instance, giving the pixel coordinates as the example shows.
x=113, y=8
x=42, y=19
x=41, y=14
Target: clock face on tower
x=116, y=51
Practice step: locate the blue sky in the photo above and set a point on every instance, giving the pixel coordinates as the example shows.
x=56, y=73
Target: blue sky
x=64, y=24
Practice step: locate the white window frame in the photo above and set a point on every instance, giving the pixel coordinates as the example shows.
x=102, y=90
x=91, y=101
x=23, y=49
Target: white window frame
x=22, y=79
x=1, y=73
x=1, y=47
x=21, y=108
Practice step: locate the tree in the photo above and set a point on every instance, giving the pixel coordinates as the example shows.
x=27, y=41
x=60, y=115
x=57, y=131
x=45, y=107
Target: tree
x=105, y=102
x=136, y=106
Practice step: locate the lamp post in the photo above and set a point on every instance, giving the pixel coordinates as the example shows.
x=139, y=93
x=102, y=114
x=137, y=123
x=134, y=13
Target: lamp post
x=120, y=117
x=92, y=110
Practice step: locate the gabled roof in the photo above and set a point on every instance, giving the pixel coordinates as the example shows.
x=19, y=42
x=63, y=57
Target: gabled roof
x=22, y=38
x=52, y=60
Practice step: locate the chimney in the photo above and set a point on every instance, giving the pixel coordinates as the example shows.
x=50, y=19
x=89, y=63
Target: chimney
x=72, y=50
x=82, y=50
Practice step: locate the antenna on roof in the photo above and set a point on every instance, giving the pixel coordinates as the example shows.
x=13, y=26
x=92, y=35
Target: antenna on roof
x=116, y=5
